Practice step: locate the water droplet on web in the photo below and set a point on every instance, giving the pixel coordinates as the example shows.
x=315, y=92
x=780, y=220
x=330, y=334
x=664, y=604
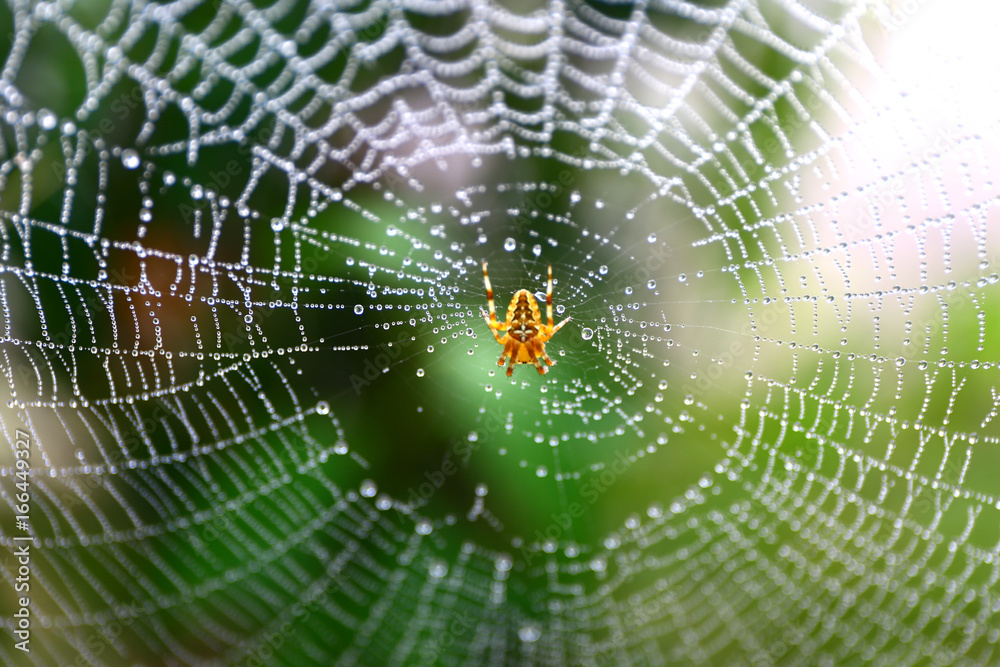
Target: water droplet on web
x=130, y=159
x=424, y=527
x=529, y=633
x=481, y=490
x=368, y=488
x=541, y=471
x=603, y=270
x=438, y=569
x=420, y=372
x=323, y=408
x=340, y=447
x=651, y=238
x=509, y=244
x=587, y=333
x=47, y=120
x=651, y=284
x=682, y=278
x=358, y=309
x=628, y=290
x=536, y=250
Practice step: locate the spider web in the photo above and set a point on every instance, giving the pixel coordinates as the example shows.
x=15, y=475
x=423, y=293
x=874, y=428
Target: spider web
x=241, y=282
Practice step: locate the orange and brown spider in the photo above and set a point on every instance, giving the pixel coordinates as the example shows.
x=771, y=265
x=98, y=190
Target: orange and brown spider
x=525, y=337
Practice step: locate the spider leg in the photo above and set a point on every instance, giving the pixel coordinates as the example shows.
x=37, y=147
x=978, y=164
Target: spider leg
x=548, y=300
x=559, y=326
x=534, y=359
x=489, y=297
x=545, y=357
x=513, y=356
x=498, y=327
x=507, y=350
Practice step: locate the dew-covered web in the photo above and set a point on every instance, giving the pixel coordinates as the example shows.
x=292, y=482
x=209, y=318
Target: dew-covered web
x=242, y=280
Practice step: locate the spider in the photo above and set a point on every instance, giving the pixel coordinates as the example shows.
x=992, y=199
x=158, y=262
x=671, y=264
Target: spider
x=525, y=337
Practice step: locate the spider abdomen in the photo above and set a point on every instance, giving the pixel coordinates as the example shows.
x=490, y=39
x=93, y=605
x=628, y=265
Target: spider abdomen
x=523, y=316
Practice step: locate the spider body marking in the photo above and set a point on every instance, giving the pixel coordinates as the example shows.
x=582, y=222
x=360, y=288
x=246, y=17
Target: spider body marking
x=524, y=334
